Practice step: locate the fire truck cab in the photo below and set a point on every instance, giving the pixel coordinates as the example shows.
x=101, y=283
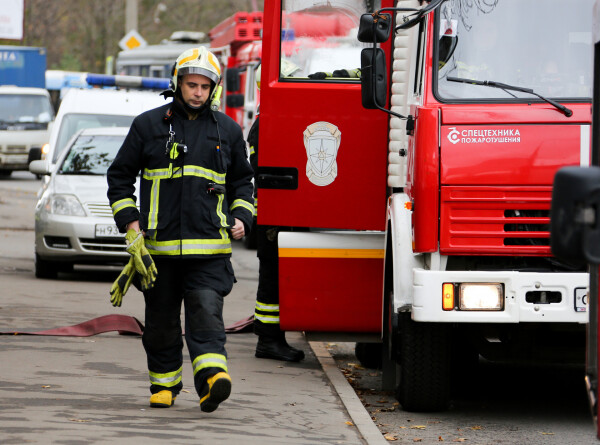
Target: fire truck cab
x=424, y=187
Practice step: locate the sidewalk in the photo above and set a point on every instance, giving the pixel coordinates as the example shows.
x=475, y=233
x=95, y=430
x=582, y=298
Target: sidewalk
x=94, y=390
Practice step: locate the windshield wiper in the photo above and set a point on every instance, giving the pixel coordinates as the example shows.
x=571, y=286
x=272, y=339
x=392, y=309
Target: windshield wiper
x=490, y=83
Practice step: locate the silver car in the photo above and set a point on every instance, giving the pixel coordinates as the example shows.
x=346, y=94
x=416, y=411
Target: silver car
x=73, y=219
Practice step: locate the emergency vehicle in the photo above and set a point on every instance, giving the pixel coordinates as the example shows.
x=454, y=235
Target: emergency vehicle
x=426, y=185
x=236, y=41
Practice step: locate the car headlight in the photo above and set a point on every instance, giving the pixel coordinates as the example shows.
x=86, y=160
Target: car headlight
x=64, y=205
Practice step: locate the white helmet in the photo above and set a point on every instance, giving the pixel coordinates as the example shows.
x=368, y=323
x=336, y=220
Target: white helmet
x=197, y=61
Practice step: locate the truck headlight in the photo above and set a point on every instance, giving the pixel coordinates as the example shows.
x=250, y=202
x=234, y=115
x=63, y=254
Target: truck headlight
x=480, y=297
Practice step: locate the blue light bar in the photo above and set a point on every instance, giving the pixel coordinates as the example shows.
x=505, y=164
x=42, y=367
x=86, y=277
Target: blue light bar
x=155, y=83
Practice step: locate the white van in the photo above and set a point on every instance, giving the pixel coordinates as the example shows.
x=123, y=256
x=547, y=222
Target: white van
x=96, y=107
x=25, y=115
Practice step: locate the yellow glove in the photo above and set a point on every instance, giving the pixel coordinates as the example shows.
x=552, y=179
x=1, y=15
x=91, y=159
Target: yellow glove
x=122, y=283
x=142, y=260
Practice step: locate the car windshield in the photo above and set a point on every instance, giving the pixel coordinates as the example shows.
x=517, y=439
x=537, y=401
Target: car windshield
x=91, y=155
x=25, y=108
x=545, y=46
x=73, y=122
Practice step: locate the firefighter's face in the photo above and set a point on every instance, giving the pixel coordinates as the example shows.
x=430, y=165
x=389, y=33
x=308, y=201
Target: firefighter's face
x=195, y=89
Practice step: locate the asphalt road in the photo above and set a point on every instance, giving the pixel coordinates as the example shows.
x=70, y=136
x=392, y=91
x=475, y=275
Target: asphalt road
x=506, y=405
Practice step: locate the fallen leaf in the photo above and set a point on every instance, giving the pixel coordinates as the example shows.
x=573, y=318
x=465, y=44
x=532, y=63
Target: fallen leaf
x=546, y=434
x=46, y=386
x=417, y=439
x=80, y=420
x=390, y=438
x=460, y=439
x=349, y=423
x=185, y=390
x=476, y=427
x=440, y=439
x=419, y=427
x=382, y=401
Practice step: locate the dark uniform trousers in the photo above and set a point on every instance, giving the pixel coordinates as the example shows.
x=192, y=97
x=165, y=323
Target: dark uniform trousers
x=266, y=313
x=201, y=285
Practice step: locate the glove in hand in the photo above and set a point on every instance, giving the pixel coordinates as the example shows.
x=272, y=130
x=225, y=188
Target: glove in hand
x=142, y=260
x=122, y=283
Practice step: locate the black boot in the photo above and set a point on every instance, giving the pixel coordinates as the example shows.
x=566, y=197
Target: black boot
x=277, y=348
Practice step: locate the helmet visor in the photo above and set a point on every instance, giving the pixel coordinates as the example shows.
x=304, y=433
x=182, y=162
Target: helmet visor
x=198, y=70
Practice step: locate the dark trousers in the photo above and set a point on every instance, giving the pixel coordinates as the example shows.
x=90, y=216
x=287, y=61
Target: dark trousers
x=266, y=312
x=200, y=285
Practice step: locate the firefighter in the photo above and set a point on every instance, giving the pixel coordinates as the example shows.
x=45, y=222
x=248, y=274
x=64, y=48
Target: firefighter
x=195, y=195
x=271, y=339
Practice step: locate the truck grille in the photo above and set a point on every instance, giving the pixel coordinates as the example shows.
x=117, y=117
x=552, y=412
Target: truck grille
x=495, y=220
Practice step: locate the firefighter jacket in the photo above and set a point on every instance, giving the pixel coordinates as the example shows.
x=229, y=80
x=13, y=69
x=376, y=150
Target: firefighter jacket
x=195, y=179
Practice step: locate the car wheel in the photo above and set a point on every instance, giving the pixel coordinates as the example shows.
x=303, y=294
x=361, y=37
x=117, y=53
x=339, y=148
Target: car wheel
x=5, y=173
x=45, y=269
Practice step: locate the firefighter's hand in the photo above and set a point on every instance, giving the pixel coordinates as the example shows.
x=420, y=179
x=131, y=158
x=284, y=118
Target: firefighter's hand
x=237, y=231
x=142, y=260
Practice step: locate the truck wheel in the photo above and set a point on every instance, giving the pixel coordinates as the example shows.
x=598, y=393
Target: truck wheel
x=425, y=366
x=369, y=354
x=45, y=269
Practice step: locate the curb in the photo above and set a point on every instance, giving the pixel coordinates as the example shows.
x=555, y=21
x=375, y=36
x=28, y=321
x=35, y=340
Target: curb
x=359, y=415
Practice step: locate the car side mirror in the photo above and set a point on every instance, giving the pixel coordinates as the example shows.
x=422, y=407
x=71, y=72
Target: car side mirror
x=39, y=167
x=373, y=78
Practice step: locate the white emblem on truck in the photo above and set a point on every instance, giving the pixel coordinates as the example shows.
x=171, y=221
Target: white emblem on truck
x=322, y=141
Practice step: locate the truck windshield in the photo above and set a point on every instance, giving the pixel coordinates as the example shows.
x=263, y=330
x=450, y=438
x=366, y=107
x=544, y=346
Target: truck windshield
x=25, y=108
x=318, y=39
x=544, y=46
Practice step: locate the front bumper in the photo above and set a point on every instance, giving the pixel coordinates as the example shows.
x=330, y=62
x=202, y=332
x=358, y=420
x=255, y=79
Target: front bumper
x=427, y=297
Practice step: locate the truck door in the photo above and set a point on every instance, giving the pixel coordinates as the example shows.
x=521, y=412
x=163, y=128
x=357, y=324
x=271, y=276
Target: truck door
x=322, y=156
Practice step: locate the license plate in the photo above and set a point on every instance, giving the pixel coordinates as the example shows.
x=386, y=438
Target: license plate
x=581, y=299
x=108, y=231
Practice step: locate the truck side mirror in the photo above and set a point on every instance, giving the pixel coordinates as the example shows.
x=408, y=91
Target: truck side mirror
x=575, y=215
x=232, y=79
x=374, y=28
x=373, y=78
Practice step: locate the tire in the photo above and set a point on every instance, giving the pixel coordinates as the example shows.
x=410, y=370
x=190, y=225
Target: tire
x=425, y=366
x=369, y=354
x=5, y=173
x=45, y=269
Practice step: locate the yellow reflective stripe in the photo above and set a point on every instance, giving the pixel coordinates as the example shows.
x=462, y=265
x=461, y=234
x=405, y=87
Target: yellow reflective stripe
x=194, y=170
x=241, y=203
x=288, y=252
x=190, y=58
x=267, y=307
x=188, y=170
x=209, y=361
x=252, y=151
x=153, y=211
x=188, y=247
x=213, y=62
x=220, y=213
x=122, y=204
x=267, y=318
x=167, y=379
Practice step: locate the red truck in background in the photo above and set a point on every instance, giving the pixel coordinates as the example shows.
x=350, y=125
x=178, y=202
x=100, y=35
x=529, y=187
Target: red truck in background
x=428, y=224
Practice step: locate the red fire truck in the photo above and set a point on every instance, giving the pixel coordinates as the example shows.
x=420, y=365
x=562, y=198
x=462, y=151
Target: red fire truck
x=236, y=42
x=426, y=185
